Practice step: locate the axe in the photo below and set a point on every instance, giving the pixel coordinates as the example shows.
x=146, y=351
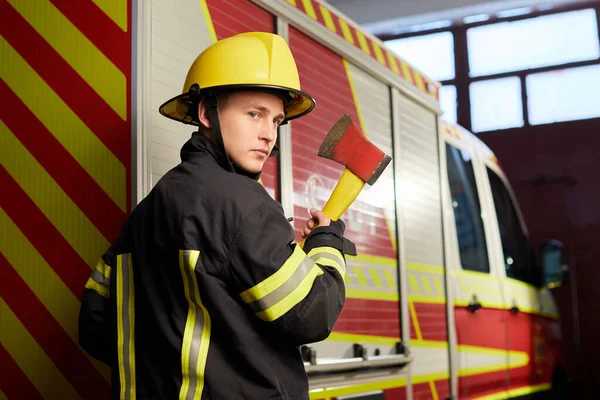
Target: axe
x=364, y=162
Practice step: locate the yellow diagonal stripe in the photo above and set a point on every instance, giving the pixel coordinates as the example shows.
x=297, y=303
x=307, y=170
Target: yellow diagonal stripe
x=43, y=281
x=355, y=97
x=39, y=276
x=390, y=279
x=415, y=320
x=31, y=358
x=346, y=278
x=437, y=284
x=406, y=72
x=74, y=226
x=327, y=18
x=116, y=10
x=89, y=62
x=414, y=285
x=426, y=84
x=393, y=62
x=419, y=81
x=360, y=276
x=434, y=392
x=362, y=40
x=67, y=128
x=346, y=31
x=209, y=22
x=426, y=285
x=292, y=2
x=375, y=275
x=310, y=10
x=378, y=53
x=464, y=287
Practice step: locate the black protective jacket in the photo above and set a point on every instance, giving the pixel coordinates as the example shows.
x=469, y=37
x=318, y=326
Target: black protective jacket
x=205, y=295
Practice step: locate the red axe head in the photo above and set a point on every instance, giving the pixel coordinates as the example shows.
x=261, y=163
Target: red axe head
x=346, y=144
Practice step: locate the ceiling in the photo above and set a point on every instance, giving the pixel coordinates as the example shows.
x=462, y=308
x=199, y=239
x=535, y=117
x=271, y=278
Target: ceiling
x=399, y=16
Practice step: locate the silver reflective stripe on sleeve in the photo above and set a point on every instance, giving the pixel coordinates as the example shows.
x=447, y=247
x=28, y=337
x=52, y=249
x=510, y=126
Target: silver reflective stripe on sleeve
x=330, y=257
x=286, y=287
x=99, y=281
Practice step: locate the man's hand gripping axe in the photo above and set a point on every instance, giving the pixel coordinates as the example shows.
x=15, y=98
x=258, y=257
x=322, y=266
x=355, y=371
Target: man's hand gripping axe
x=364, y=162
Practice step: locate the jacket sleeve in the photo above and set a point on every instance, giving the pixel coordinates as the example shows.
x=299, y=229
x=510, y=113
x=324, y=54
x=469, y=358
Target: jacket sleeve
x=95, y=312
x=300, y=293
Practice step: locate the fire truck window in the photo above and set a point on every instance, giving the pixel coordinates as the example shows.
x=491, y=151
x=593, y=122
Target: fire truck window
x=467, y=211
x=518, y=256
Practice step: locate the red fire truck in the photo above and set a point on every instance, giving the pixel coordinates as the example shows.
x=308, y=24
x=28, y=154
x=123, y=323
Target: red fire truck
x=445, y=299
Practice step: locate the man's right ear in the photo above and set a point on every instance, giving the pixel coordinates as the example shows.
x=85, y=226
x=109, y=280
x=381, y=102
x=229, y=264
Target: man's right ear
x=203, y=117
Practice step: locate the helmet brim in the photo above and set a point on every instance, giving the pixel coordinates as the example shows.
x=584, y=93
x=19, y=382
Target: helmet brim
x=179, y=108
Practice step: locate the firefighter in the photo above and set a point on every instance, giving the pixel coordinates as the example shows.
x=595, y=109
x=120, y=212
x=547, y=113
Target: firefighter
x=205, y=295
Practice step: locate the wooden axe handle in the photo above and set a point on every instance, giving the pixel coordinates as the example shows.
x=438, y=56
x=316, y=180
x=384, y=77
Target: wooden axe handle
x=345, y=192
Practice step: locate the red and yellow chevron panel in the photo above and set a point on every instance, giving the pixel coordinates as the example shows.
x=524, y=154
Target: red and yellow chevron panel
x=453, y=131
x=459, y=133
x=65, y=154
x=350, y=33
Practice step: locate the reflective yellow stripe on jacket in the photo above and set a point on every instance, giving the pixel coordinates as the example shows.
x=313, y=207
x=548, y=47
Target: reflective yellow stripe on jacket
x=287, y=287
x=99, y=281
x=330, y=257
x=196, y=336
x=125, y=326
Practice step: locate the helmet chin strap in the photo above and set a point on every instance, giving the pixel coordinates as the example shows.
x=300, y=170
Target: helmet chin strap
x=213, y=116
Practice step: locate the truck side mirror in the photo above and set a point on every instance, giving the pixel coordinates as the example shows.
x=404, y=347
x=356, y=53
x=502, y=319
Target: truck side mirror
x=554, y=266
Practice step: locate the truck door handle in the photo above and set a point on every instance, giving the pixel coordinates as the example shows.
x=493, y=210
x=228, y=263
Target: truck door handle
x=514, y=310
x=473, y=306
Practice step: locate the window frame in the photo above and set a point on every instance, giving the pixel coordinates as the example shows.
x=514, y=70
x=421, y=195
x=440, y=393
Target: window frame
x=495, y=238
x=534, y=15
x=498, y=171
x=483, y=193
x=462, y=80
x=424, y=34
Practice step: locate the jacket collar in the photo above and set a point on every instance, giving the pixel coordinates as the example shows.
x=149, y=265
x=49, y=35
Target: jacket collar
x=198, y=145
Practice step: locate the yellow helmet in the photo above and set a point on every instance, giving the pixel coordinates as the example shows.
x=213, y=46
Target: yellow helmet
x=253, y=60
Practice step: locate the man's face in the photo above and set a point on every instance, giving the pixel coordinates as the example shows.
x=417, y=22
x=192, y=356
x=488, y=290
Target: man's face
x=249, y=122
